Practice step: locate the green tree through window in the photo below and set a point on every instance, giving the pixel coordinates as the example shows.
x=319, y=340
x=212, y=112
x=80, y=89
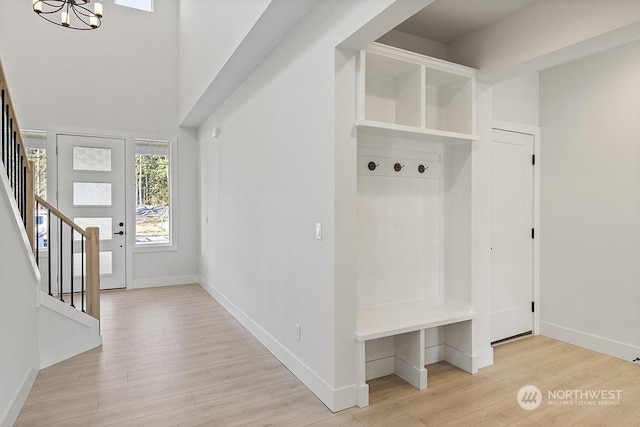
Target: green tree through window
x=152, y=192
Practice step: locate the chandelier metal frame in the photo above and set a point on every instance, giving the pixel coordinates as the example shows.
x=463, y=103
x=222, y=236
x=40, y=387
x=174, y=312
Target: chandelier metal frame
x=85, y=19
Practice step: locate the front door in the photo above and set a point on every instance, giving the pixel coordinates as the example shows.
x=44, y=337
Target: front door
x=511, y=234
x=91, y=191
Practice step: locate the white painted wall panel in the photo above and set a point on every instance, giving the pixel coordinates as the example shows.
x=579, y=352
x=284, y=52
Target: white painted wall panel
x=19, y=354
x=590, y=183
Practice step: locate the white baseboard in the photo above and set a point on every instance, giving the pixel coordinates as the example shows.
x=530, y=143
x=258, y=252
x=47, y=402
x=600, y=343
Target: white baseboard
x=417, y=377
x=157, y=282
x=362, y=399
x=484, y=357
x=18, y=402
x=464, y=361
x=592, y=342
x=379, y=368
x=434, y=354
x=334, y=399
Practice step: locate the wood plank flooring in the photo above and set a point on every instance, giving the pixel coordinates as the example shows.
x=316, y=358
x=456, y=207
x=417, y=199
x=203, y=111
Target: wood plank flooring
x=174, y=357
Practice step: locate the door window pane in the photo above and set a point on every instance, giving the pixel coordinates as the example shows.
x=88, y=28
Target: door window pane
x=106, y=264
x=91, y=159
x=104, y=224
x=92, y=193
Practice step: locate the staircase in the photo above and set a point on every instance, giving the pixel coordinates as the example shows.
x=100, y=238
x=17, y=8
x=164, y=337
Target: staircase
x=40, y=328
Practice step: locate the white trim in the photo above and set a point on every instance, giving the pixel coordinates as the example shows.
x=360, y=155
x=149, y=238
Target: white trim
x=334, y=399
x=484, y=358
x=379, y=367
x=156, y=282
x=602, y=345
x=434, y=354
x=69, y=348
x=172, y=246
x=535, y=132
x=464, y=361
x=18, y=402
x=416, y=376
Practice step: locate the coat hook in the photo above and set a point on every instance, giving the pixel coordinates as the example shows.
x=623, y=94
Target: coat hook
x=422, y=168
x=372, y=166
x=398, y=167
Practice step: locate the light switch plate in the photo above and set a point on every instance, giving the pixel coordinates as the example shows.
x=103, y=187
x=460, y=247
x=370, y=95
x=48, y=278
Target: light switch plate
x=318, y=231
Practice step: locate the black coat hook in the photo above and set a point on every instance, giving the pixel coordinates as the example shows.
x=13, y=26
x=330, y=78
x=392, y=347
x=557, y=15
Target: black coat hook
x=422, y=168
x=372, y=166
x=397, y=167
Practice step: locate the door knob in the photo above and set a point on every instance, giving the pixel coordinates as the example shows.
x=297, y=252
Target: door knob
x=121, y=233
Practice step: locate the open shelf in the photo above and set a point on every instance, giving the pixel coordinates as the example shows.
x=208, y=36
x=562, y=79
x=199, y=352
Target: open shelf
x=415, y=93
x=392, y=319
x=390, y=129
x=392, y=90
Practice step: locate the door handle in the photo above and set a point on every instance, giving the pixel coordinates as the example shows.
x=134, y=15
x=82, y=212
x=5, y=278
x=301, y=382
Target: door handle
x=121, y=233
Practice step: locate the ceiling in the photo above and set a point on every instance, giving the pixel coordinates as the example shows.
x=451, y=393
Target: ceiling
x=445, y=21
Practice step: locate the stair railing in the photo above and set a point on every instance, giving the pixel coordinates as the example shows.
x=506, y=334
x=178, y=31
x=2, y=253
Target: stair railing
x=14, y=157
x=80, y=248
x=78, y=258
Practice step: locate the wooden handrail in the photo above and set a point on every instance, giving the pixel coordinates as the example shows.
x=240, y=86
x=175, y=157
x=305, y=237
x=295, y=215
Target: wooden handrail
x=60, y=215
x=3, y=85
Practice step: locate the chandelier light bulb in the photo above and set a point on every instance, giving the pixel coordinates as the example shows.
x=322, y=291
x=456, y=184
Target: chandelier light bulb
x=74, y=14
x=97, y=9
x=65, y=19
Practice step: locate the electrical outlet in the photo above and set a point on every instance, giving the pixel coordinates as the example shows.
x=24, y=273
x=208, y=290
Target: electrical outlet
x=298, y=331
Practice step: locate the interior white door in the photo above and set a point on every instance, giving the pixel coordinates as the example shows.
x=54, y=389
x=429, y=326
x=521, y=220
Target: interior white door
x=511, y=234
x=91, y=191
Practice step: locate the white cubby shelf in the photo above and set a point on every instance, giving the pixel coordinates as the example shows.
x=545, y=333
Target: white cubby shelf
x=415, y=121
x=398, y=318
x=406, y=92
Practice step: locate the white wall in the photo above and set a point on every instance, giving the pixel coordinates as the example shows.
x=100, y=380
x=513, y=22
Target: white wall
x=122, y=76
x=547, y=33
x=516, y=100
x=412, y=43
x=122, y=82
x=209, y=39
x=19, y=356
x=590, y=178
x=273, y=169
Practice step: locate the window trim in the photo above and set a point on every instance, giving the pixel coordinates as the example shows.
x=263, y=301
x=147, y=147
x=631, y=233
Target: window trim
x=124, y=3
x=173, y=185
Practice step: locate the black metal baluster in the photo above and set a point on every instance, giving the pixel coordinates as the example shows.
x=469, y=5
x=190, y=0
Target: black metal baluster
x=15, y=165
x=23, y=189
x=10, y=154
x=61, y=273
x=35, y=233
x=72, y=275
x=49, y=249
x=82, y=272
x=3, y=129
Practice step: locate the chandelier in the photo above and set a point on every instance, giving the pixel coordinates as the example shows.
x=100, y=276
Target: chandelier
x=73, y=14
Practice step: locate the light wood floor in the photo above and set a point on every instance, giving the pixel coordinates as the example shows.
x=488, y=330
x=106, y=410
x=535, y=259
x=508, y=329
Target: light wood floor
x=173, y=356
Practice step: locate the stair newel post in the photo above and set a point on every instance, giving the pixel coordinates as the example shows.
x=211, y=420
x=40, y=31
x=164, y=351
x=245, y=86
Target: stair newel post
x=30, y=205
x=93, y=272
